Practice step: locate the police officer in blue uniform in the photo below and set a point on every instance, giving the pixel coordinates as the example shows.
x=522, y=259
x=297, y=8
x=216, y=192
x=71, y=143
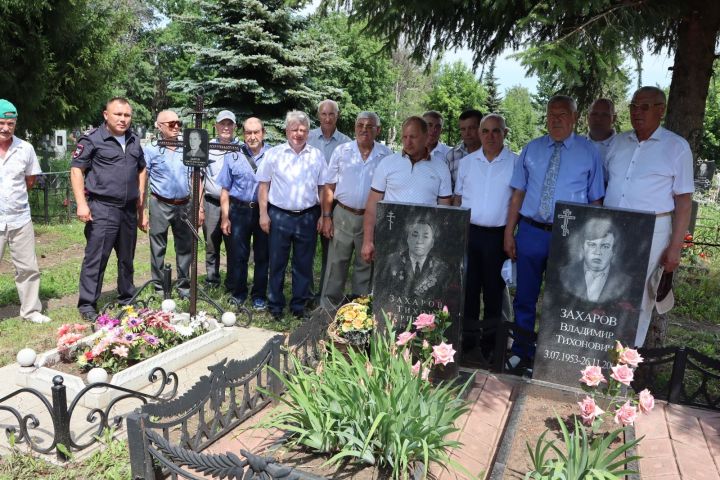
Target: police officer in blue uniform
x=108, y=181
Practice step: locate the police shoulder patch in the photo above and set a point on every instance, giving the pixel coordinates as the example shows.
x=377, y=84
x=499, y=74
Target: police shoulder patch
x=78, y=150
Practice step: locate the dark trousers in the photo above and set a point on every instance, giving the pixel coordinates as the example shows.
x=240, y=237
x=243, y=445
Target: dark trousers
x=533, y=248
x=325, y=245
x=213, y=238
x=485, y=260
x=111, y=228
x=298, y=231
x=244, y=224
x=163, y=217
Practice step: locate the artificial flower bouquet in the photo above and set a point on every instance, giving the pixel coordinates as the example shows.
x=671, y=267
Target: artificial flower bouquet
x=130, y=338
x=354, y=322
x=426, y=344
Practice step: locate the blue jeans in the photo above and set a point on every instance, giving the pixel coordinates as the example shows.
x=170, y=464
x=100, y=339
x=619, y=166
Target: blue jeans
x=244, y=224
x=533, y=248
x=299, y=232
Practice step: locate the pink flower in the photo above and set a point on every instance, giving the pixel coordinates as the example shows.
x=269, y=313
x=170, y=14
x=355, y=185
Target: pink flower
x=443, y=353
x=406, y=355
x=63, y=329
x=80, y=327
x=68, y=340
x=589, y=410
x=622, y=373
x=646, y=401
x=592, y=376
x=445, y=309
x=404, y=338
x=120, y=351
x=626, y=414
x=425, y=320
x=415, y=369
x=630, y=357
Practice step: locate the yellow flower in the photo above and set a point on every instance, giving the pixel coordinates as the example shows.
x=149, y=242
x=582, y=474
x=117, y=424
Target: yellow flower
x=362, y=316
x=346, y=327
x=358, y=323
x=350, y=315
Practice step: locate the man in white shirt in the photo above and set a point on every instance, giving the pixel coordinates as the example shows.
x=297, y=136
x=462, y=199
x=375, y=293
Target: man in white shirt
x=651, y=169
x=601, y=118
x=347, y=184
x=409, y=177
x=483, y=186
x=291, y=179
x=210, y=208
x=18, y=167
x=434, y=122
x=326, y=138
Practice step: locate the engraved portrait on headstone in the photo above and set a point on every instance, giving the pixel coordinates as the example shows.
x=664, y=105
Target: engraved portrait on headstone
x=704, y=175
x=195, y=148
x=419, y=262
x=593, y=290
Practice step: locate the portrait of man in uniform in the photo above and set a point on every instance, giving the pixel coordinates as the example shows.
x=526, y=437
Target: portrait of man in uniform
x=420, y=273
x=595, y=276
x=196, y=145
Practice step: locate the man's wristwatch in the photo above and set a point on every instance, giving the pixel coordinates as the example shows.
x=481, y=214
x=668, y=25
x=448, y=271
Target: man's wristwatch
x=327, y=215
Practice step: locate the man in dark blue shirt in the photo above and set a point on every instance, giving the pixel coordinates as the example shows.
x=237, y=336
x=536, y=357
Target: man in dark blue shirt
x=241, y=215
x=107, y=176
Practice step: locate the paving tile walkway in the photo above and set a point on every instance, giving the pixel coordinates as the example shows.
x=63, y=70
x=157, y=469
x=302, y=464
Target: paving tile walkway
x=681, y=443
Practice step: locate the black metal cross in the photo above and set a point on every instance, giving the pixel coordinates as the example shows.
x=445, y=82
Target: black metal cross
x=197, y=165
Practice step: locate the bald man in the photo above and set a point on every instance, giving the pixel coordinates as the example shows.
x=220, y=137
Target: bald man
x=169, y=204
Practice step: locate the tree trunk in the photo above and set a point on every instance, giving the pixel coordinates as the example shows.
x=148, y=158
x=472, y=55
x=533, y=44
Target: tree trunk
x=694, y=56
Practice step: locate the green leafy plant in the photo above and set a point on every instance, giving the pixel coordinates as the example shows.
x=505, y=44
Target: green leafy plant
x=370, y=407
x=584, y=457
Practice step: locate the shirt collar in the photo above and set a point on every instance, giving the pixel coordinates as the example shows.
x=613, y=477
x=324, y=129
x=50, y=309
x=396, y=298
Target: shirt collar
x=332, y=137
x=568, y=142
x=500, y=156
x=656, y=135
x=425, y=158
x=287, y=147
x=374, y=152
x=106, y=134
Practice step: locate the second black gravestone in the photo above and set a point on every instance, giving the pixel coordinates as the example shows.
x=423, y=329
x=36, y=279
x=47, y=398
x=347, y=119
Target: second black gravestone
x=593, y=290
x=419, y=265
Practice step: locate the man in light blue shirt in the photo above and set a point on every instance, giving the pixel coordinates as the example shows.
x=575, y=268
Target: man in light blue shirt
x=169, y=203
x=559, y=166
x=240, y=214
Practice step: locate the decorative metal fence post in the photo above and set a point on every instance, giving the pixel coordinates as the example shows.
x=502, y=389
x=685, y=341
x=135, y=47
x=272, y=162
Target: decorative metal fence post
x=677, y=376
x=61, y=418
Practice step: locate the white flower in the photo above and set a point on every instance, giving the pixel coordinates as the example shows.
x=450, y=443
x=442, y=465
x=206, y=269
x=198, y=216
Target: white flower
x=183, y=330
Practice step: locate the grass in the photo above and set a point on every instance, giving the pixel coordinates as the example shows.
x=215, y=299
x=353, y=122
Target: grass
x=111, y=463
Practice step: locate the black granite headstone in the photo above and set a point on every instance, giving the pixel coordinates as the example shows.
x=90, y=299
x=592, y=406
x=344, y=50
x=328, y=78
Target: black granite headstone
x=404, y=287
x=704, y=176
x=593, y=290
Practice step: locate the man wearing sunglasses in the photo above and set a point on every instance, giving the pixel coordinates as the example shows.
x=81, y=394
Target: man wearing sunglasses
x=169, y=203
x=651, y=169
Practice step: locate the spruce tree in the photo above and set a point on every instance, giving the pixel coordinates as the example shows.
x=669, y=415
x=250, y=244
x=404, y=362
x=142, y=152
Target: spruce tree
x=255, y=64
x=490, y=83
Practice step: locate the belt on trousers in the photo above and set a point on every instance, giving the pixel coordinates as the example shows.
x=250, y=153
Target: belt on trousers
x=542, y=226
x=665, y=214
x=213, y=200
x=172, y=201
x=296, y=213
x=240, y=203
x=355, y=211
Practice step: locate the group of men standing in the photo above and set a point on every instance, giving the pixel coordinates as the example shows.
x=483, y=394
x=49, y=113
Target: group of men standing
x=276, y=200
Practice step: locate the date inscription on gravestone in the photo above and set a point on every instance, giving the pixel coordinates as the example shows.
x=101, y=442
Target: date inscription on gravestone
x=593, y=290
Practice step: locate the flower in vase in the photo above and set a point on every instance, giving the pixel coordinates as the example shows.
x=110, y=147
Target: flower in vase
x=630, y=357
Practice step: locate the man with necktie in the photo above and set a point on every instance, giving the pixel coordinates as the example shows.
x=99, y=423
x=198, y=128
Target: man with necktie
x=559, y=166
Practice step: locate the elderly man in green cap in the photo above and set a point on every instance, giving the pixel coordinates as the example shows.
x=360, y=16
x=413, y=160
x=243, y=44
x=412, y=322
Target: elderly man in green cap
x=18, y=167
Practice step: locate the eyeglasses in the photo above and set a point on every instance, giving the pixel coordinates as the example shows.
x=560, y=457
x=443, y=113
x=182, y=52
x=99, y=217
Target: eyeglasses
x=172, y=123
x=644, y=107
x=365, y=126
